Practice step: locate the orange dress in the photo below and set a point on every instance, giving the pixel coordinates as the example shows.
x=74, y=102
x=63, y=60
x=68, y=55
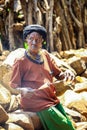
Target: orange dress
x=27, y=73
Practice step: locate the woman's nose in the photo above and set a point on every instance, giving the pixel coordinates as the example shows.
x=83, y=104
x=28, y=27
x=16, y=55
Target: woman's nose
x=34, y=42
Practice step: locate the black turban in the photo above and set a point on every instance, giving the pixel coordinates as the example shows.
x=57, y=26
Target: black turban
x=34, y=28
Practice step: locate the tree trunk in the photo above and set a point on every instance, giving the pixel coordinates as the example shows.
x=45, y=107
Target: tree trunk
x=29, y=13
x=50, y=28
x=56, y=35
x=24, y=8
x=11, y=21
x=85, y=24
x=70, y=36
x=3, y=36
x=73, y=15
x=78, y=22
x=59, y=12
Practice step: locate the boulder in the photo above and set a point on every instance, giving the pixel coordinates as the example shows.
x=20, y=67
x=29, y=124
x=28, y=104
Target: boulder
x=62, y=86
x=3, y=115
x=13, y=55
x=77, y=64
x=34, y=117
x=76, y=116
x=79, y=106
x=80, y=53
x=81, y=125
x=5, y=96
x=84, y=74
x=22, y=120
x=14, y=103
x=3, y=70
x=79, y=87
x=1, y=128
x=69, y=96
x=12, y=126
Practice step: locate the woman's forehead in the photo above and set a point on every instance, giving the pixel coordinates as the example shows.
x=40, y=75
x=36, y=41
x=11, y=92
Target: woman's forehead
x=34, y=34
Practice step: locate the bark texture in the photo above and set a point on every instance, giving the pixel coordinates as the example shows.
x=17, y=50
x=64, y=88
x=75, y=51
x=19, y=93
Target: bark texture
x=65, y=21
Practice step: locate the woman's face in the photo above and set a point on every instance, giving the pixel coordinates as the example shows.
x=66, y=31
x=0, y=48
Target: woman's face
x=34, y=41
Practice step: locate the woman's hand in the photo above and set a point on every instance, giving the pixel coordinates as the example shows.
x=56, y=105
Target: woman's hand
x=27, y=92
x=69, y=75
x=67, y=79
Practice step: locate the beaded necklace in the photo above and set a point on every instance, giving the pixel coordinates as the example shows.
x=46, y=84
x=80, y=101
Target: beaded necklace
x=37, y=59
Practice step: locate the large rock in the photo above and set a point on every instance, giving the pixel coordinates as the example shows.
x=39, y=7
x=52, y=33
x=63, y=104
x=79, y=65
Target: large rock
x=69, y=96
x=14, y=103
x=36, y=121
x=22, y=120
x=76, y=101
x=6, y=68
x=67, y=54
x=84, y=74
x=76, y=116
x=12, y=126
x=1, y=128
x=61, y=87
x=80, y=106
x=34, y=117
x=13, y=55
x=5, y=96
x=3, y=70
x=80, y=53
x=62, y=64
x=79, y=87
x=3, y=115
x=31, y=115
x=5, y=82
x=77, y=64
x=81, y=125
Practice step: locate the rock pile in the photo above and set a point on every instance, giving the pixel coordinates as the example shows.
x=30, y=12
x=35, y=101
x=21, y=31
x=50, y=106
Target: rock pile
x=73, y=96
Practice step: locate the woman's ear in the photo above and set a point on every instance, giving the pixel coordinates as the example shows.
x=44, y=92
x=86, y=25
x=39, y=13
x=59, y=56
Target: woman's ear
x=26, y=40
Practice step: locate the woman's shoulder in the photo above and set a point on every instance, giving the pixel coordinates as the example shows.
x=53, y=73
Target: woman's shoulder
x=22, y=58
x=45, y=52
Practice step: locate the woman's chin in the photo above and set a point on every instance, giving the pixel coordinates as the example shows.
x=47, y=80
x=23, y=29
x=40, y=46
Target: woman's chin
x=34, y=51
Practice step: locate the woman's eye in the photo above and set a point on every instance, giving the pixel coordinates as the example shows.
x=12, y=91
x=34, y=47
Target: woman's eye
x=31, y=38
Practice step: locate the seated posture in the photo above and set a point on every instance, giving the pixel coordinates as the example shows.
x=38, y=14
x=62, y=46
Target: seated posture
x=33, y=75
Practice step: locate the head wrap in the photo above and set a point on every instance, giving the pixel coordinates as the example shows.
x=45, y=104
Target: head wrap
x=34, y=28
